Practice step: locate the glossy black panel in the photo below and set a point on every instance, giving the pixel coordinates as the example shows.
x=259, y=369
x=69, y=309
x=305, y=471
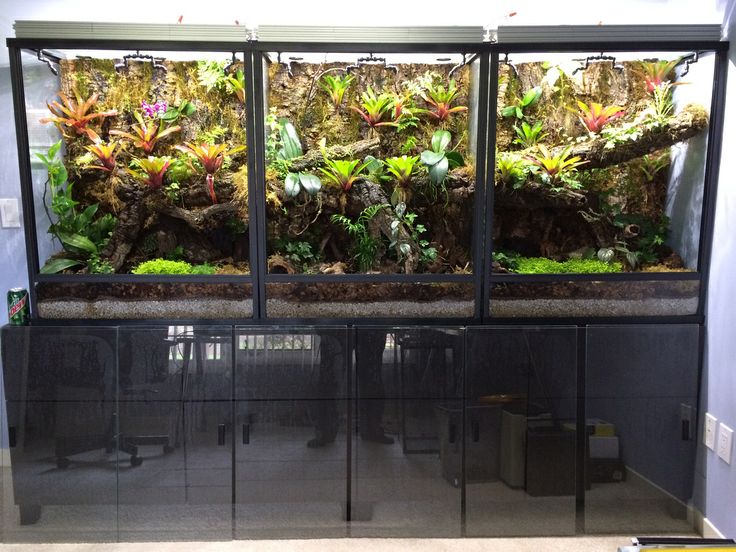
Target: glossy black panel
x=61, y=425
x=520, y=431
x=291, y=469
x=175, y=419
x=642, y=385
x=291, y=363
x=405, y=479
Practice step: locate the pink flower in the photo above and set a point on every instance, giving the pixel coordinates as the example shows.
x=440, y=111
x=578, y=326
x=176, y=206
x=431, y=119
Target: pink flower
x=154, y=110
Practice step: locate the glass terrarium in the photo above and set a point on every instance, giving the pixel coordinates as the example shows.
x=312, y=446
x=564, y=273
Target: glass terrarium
x=139, y=187
x=599, y=171
x=370, y=184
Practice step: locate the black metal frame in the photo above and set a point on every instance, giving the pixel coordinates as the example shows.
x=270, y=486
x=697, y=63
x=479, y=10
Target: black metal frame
x=254, y=55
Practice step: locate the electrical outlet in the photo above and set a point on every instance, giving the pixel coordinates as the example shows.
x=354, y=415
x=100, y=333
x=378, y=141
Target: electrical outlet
x=725, y=435
x=709, y=433
x=9, y=214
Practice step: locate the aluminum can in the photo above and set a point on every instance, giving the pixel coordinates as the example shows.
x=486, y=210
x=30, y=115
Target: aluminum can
x=19, y=313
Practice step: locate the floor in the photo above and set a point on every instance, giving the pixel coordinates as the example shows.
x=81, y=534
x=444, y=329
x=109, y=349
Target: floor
x=573, y=544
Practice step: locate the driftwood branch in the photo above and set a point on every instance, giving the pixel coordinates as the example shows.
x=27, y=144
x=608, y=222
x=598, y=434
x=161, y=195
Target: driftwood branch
x=533, y=195
x=200, y=219
x=130, y=221
x=692, y=120
x=314, y=158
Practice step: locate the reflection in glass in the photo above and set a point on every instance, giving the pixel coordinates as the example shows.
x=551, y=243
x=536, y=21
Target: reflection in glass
x=520, y=422
x=641, y=400
x=405, y=477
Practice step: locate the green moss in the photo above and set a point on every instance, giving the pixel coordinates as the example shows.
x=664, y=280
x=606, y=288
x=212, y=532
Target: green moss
x=203, y=269
x=162, y=266
x=542, y=265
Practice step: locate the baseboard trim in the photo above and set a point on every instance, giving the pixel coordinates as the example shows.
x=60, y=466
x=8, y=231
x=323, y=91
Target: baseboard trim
x=710, y=531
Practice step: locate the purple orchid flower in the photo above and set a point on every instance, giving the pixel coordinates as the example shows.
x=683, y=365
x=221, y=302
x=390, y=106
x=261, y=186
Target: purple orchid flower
x=154, y=110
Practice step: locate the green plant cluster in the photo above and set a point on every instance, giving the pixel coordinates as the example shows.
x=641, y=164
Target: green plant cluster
x=543, y=265
x=165, y=266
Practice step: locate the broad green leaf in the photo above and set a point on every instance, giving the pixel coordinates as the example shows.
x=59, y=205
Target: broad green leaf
x=187, y=108
x=400, y=209
x=455, y=159
x=170, y=115
x=53, y=150
x=509, y=111
x=519, y=113
x=79, y=242
x=291, y=146
x=310, y=183
x=372, y=164
x=440, y=140
x=605, y=254
x=531, y=97
x=291, y=185
x=57, y=265
x=405, y=249
x=395, y=224
x=438, y=172
x=89, y=213
x=430, y=158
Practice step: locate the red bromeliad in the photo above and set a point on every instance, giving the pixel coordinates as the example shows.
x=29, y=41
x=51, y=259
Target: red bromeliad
x=147, y=132
x=595, y=116
x=211, y=157
x=75, y=114
x=151, y=170
x=655, y=73
x=441, y=101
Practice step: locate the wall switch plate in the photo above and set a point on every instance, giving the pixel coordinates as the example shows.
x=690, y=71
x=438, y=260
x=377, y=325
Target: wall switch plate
x=9, y=214
x=725, y=435
x=709, y=432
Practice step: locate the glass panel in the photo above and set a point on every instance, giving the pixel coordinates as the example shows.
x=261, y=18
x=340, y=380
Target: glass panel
x=291, y=444
x=155, y=161
x=594, y=298
x=175, y=420
x=328, y=115
x=406, y=463
x=521, y=431
x=642, y=393
x=144, y=300
x=370, y=300
x=61, y=424
x=601, y=160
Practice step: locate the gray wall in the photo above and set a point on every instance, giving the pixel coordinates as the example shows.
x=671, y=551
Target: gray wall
x=717, y=477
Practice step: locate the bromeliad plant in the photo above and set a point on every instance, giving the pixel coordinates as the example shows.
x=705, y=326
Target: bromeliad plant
x=655, y=73
x=81, y=234
x=104, y=153
x=336, y=86
x=530, y=98
x=211, y=158
x=528, y=136
x=235, y=84
x=375, y=109
x=343, y=174
x=441, y=99
x=75, y=115
x=555, y=168
x=403, y=169
x=147, y=133
x=594, y=116
x=150, y=171
x=511, y=170
x=439, y=161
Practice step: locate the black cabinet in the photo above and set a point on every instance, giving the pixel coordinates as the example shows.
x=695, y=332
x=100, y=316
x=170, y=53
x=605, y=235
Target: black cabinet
x=405, y=377
x=140, y=433
x=521, y=416
x=60, y=401
x=291, y=450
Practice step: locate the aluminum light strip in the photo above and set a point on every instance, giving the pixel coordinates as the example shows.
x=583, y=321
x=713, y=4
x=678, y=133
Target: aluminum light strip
x=423, y=35
x=130, y=31
x=607, y=33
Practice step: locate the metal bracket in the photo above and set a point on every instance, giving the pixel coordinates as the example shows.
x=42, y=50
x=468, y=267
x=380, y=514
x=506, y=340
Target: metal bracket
x=464, y=62
x=229, y=66
x=689, y=60
x=154, y=61
x=50, y=60
x=285, y=64
x=371, y=60
x=601, y=57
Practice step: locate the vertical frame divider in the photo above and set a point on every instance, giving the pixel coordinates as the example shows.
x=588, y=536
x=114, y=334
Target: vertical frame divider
x=712, y=165
x=257, y=183
x=481, y=183
x=490, y=183
x=26, y=176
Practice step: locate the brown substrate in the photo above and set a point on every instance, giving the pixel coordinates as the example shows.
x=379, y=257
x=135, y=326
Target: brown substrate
x=138, y=291
x=361, y=292
x=587, y=289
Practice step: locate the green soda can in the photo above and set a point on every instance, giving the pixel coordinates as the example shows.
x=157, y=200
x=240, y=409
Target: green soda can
x=19, y=313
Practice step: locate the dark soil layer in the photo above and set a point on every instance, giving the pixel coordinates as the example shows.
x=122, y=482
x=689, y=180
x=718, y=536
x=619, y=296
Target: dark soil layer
x=363, y=293
x=597, y=290
x=140, y=291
